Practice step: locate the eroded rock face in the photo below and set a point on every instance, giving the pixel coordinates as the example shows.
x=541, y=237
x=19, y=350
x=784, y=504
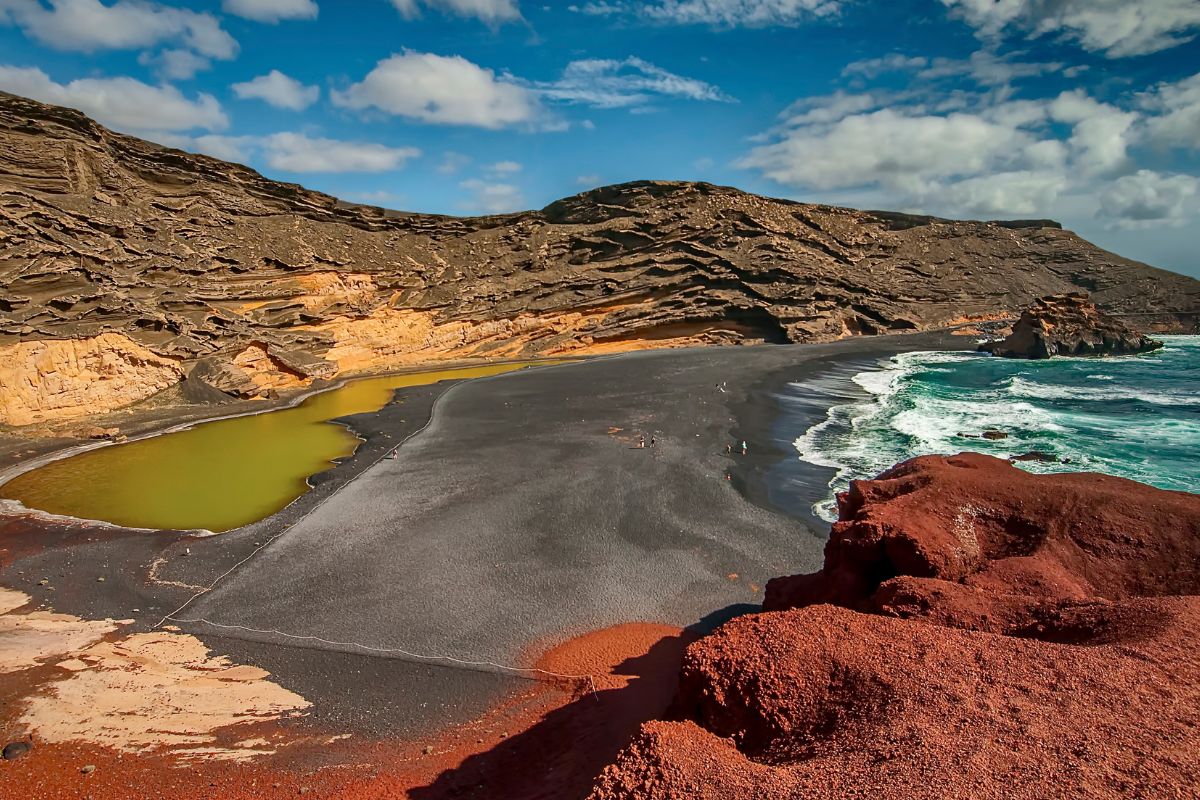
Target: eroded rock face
x=66, y=378
x=965, y=613
x=253, y=372
x=1069, y=325
x=197, y=260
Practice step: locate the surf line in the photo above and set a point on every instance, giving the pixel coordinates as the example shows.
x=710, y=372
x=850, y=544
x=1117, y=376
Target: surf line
x=172, y=616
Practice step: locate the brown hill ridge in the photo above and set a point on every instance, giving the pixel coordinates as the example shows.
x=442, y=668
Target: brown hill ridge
x=144, y=265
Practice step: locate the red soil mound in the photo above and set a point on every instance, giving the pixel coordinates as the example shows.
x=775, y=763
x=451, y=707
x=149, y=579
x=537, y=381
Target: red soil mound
x=1019, y=642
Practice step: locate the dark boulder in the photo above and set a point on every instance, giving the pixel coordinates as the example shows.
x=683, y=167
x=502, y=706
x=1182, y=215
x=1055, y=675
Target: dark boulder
x=1036, y=455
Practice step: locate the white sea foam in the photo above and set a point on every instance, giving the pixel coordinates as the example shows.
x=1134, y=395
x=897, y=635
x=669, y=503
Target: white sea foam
x=1024, y=388
x=882, y=384
x=916, y=404
x=840, y=441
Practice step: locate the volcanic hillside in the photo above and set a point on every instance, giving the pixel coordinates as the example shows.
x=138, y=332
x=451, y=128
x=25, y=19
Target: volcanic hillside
x=128, y=267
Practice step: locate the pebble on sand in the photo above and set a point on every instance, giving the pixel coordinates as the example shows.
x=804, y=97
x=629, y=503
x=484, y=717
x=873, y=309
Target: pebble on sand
x=14, y=750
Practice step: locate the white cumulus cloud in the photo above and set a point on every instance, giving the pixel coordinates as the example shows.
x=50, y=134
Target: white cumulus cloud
x=1176, y=109
x=121, y=103
x=909, y=152
x=986, y=67
x=983, y=153
x=893, y=62
x=1116, y=28
x=446, y=90
x=278, y=90
x=89, y=25
x=375, y=197
x=1148, y=199
x=296, y=152
x=237, y=149
x=1021, y=192
x=1100, y=134
x=272, y=11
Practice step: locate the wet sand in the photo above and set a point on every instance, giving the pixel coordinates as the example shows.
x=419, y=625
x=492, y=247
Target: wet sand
x=520, y=512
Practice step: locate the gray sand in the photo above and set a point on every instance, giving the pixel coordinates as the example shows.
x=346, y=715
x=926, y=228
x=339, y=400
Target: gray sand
x=518, y=516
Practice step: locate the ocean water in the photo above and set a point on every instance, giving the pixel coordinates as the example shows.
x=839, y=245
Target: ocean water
x=1137, y=417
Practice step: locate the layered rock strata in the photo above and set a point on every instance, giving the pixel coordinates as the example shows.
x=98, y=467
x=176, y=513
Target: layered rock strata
x=1069, y=325
x=268, y=284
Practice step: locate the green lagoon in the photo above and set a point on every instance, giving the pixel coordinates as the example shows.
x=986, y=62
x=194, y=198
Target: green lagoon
x=217, y=475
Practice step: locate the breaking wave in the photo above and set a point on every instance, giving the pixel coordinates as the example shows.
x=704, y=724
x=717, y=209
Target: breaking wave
x=1137, y=417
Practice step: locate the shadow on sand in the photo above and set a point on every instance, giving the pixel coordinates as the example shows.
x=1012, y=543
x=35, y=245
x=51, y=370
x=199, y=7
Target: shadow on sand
x=560, y=756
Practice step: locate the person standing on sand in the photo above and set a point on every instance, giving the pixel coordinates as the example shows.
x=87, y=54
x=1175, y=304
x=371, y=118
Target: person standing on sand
x=642, y=442
x=744, y=448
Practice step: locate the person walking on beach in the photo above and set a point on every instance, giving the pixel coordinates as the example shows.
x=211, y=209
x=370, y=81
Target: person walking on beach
x=744, y=448
x=642, y=442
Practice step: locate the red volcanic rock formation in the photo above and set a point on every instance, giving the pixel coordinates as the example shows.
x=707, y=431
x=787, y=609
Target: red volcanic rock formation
x=976, y=631
x=972, y=523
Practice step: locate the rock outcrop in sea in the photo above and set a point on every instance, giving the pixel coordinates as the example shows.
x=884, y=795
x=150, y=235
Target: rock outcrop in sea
x=1069, y=325
x=254, y=286
x=976, y=631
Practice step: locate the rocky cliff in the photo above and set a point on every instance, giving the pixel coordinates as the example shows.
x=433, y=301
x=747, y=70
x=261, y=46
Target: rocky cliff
x=1069, y=325
x=252, y=284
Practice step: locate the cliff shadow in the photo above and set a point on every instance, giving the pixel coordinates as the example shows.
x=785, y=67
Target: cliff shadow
x=560, y=756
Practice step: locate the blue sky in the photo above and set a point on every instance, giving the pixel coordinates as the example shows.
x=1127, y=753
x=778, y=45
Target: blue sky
x=1086, y=111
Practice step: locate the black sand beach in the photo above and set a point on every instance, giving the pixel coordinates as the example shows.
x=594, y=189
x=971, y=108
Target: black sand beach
x=520, y=512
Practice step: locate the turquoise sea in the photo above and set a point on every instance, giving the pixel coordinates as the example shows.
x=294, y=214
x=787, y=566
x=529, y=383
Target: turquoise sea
x=1137, y=416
